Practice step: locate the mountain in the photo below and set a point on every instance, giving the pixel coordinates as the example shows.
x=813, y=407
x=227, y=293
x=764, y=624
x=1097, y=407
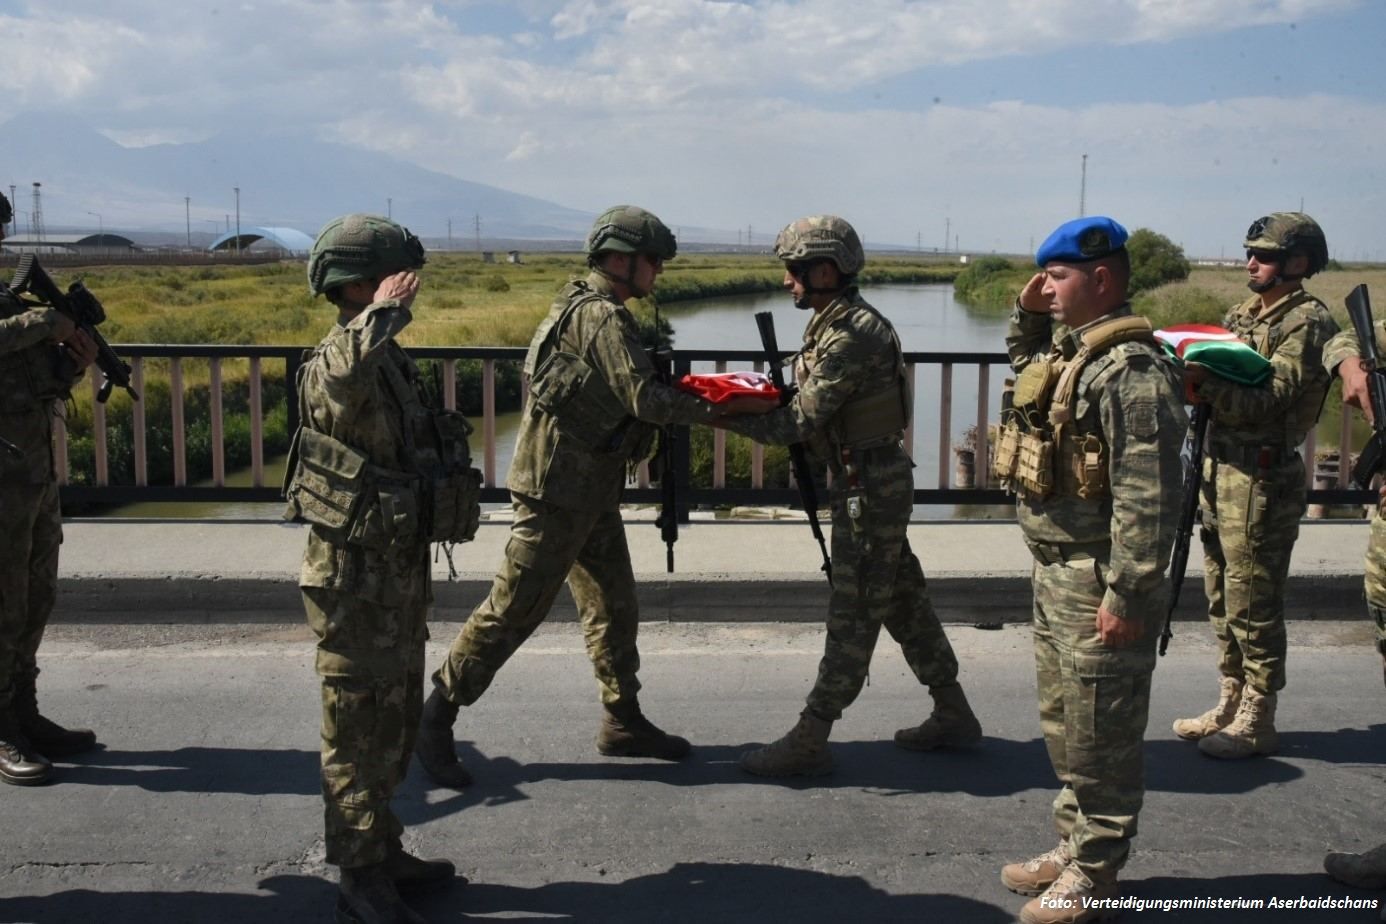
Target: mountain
x=284, y=179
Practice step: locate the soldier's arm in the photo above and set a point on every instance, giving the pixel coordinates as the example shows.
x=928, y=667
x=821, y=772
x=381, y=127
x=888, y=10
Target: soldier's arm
x=1143, y=417
x=1343, y=345
x=615, y=350
x=1296, y=364
x=30, y=327
x=352, y=357
x=841, y=358
x=1030, y=337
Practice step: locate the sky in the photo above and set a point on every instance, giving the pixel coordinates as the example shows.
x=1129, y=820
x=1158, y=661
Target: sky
x=911, y=118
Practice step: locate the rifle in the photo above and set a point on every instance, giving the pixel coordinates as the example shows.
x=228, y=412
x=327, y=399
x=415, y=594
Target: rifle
x=83, y=309
x=668, y=519
x=803, y=475
x=1188, y=511
x=1373, y=455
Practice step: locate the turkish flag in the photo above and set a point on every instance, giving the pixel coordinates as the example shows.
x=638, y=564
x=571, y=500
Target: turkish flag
x=719, y=387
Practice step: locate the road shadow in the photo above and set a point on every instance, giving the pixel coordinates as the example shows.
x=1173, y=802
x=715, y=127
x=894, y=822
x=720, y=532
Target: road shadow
x=1337, y=746
x=309, y=899
x=246, y=771
x=700, y=892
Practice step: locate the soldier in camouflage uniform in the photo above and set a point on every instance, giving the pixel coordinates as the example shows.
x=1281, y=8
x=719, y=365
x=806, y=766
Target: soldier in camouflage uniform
x=1342, y=356
x=42, y=355
x=594, y=402
x=1090, y=442
x=851, y=410
x=1253, y=481
x=379, y=471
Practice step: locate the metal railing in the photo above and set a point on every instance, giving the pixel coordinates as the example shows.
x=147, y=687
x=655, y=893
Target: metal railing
x=939, y=490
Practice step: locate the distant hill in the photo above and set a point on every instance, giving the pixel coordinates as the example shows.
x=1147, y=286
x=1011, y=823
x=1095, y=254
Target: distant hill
x=284, y=180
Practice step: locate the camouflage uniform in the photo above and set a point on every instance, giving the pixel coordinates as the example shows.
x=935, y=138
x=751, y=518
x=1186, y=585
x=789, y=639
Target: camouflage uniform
x=565, y=488
x=1344, y=345
x=34, y=381
x=1107, y=550
x=851, y=351
x=1254, y=482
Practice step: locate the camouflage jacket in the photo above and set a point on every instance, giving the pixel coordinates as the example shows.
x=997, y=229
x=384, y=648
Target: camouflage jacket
x=344, y=391
x=1344, y=344
x=33, y=386
x=551, y=464
x=850, y=351
x=1292, y=334
x=1129, y=397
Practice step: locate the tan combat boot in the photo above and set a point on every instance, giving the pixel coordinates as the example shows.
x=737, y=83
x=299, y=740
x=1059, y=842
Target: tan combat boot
x=1217, y=718
x=1363, y=870
x=625, y=732
x=1252, y=731
x=801, y=752
x=951, y=725
x=1037, y=873
x=1063, y=902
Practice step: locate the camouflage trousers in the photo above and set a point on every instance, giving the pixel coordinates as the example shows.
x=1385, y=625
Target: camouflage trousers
x=877, y=581
x=1250, y=524
x=1093, y=702
x=1376, y=577
x=371, y=662
x=31, y=529
x=548, y=545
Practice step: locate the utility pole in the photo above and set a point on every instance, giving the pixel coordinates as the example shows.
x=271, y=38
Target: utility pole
x=187, y=217
x=748, y=236
x=237, y=190
x=389, y=207
x=476, y=222
x=36, y=215
x=1083, y=190
x=919, y=242
x=947, y=229
x=449, y=234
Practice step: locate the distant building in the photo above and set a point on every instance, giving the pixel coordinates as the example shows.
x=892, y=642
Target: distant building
x=488, y=257
x=109, y=244
x=513, y=256
x=291, y=241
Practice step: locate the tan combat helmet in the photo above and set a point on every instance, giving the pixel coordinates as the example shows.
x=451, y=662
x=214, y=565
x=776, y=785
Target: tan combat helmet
x=1290, y=233
x=822, y=237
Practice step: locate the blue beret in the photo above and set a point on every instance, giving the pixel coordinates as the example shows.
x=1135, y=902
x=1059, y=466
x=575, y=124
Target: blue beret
x=1081, y=240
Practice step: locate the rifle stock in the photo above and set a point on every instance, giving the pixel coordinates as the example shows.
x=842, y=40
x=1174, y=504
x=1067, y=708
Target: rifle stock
x=1188, y=512
x=798, y=458
x=1369, y=462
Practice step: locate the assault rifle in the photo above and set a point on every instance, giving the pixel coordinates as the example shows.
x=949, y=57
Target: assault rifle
x=668, y=519
x=1188, y=512
x=1373, y=455
x=803, y=475
x=83, y=309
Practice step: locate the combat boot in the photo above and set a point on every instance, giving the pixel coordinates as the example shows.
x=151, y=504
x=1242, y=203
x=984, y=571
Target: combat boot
x=434, y=745
x=1251, y=732
x=1037, y=873
x=48, y=737
x=1065, y=901
x=1217, y=718
x=801, y=752
x=950, y=725
x=368, y=896
x=405, y=869
x=20, y=763
x=1363, y=870
x=625, y=732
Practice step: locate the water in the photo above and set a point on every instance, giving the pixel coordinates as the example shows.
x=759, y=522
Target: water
x=927, y=318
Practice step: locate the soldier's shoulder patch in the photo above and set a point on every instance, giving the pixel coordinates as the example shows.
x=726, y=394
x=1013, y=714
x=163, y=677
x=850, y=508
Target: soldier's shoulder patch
x=1143, y=417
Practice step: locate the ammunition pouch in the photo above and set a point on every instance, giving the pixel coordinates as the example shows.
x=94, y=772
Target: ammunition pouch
x=1088, y=460
x=1006, y=455
x=566, y=387
x=455, y=508
x=1034, y=470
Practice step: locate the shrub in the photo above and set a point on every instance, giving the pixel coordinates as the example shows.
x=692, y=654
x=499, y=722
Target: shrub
x=1155, y=260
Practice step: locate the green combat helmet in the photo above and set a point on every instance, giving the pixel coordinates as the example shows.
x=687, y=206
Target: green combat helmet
x=630, y=229
x=1291, y=233
x=356, y=247
x=822, y=237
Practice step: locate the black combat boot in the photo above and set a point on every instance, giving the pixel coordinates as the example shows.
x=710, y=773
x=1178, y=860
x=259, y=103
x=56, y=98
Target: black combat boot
x=368, y=896
x=20, y=763
x=407, y=870
x=625, y=732
x=434, y=745
x=48, y=737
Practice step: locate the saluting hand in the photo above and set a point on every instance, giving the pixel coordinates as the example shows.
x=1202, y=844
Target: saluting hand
x=402, y=286
x=1115, y=632
x=1033, y=297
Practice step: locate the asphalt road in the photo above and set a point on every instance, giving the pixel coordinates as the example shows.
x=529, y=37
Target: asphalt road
x=205, y=806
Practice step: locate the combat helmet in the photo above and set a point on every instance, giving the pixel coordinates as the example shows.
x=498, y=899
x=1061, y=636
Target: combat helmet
x=6, y=211
x=630, y=229
x=355, y=247
x=1290, y=233
x=822, y=237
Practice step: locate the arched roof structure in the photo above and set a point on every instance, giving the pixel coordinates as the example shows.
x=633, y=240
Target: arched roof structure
x=290, y=239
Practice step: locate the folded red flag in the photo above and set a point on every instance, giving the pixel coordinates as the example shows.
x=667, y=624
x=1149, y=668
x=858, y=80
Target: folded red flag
x=723, y=386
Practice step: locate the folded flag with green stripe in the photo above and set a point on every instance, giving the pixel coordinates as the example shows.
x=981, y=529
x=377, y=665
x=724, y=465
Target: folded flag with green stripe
x=1217, y=349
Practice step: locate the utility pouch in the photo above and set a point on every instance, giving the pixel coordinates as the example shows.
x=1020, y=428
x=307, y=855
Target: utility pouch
x=456, y=507
x=1035, y=467
x=392, y=515
x=1090, y=467
x=1007, y=453
x=328, y=483
x=1033, y=385
x=571, y=391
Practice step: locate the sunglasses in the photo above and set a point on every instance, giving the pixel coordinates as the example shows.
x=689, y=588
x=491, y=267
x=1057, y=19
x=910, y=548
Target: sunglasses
x=799, y=269
x=1265, y=256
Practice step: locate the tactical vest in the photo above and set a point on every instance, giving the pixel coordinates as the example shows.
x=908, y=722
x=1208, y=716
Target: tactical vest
x=1041, y=450
x=869, y=420
x=567, y=387
x=437, y=498
x=34, y=375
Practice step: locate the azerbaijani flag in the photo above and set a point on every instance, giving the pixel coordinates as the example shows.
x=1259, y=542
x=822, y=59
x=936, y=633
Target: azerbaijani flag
x=723, y=386
x=1218, y=349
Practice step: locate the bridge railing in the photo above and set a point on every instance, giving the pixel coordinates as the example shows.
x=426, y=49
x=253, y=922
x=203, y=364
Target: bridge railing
x=936, y=483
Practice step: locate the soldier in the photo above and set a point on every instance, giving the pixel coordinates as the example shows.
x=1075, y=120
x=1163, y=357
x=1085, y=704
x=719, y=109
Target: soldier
x=1090, y=443
x=42, y=354
x=379, y=472
x=591, y=413
x=851, y=410
x=1342, y=356
x=1253, y=481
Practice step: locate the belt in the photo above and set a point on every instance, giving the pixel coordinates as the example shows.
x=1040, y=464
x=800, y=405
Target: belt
x=1252, y=456
x=1058, y=553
